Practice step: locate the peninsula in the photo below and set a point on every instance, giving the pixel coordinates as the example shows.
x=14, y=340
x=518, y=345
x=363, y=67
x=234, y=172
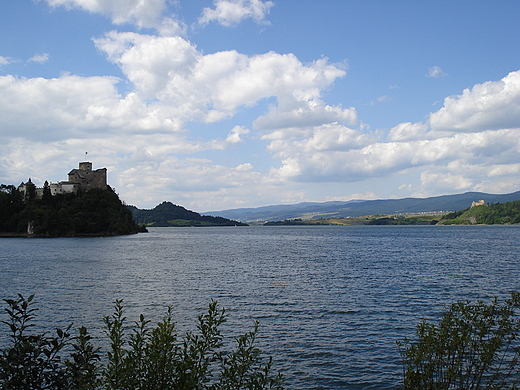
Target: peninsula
x=83, y=205
x=168, y=214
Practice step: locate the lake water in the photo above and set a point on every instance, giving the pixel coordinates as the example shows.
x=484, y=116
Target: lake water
x=331, y=301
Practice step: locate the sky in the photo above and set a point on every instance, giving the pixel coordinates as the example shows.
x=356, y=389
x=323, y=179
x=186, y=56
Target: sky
x=222, y=104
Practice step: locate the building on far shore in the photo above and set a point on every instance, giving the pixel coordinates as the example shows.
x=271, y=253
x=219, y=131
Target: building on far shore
x=81, y=179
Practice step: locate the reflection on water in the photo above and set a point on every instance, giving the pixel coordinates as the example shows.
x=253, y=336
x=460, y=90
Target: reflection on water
x=332, y=301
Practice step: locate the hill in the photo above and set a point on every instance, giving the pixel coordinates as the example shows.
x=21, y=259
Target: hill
x=97, y=212
x=167, y=214
x=500, y=213
x=358, y=208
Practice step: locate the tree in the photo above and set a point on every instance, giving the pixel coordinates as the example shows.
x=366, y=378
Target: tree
x=46, y=195
x=474, y=346
x=30, y=190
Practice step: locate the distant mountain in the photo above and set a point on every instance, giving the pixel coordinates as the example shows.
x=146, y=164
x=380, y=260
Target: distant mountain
x=167, y=214
x=358, y=208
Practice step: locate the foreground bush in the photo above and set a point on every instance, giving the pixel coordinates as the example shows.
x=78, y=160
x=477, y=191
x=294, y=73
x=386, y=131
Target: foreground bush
x=148, y=358
x=474, y=346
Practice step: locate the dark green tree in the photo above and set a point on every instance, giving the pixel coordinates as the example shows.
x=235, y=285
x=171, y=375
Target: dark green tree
x=474, y=346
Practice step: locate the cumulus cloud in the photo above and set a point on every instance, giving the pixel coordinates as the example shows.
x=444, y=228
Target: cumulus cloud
x=71, y=105
x=231, y=12
x=435, y=71
x=208, y=88
x=330, y=152
x=491, y=105
x=46, y=108
x=336, y=153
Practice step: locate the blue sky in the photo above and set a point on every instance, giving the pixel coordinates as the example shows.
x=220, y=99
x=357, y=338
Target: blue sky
x=242, y=103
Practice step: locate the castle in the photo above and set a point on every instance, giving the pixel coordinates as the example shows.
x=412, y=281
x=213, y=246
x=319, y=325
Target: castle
x=81, y=179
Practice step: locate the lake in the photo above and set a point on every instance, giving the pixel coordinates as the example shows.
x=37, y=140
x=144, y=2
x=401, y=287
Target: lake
x=331, y=300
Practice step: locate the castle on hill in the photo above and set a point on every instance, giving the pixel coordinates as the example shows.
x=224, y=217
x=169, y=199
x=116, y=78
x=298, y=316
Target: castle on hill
x=81, y=179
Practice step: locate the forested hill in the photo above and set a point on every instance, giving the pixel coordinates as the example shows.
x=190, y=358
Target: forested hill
x=492, y=214
x=93, y=213
x=167, y=214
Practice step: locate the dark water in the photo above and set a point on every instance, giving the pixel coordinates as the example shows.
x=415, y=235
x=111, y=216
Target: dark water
x=332, y=301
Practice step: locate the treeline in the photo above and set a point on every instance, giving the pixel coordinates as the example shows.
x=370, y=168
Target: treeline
x=402, y=221
x=95, y=212
x=492, y=214
x=167, y=214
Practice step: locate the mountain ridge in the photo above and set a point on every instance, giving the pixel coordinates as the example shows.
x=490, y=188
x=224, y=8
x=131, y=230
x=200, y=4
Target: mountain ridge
x=358, y=208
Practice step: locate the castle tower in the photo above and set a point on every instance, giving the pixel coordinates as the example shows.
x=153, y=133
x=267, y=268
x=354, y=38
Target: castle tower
x=85, y=166
x=85, y=178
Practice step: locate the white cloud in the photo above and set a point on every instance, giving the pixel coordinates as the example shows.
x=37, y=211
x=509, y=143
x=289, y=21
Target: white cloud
x=193, y=86
x=72, y=106
x=380, y=99
x=502, y=185
x=5, y=60
x=408, y=131
x=143, y=14
x=56, y=108
x=235, y=135
x=435, y=72
x=446, y=181
x=305, y=114
x=151, y=63
x=491, y=105
x=231, y=12
x=335, y=153
x=39, y=58
x=384, y=98
x=504, y=169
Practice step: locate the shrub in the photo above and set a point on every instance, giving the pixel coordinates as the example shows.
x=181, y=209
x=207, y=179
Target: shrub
x=474, y=346
x=148, y=358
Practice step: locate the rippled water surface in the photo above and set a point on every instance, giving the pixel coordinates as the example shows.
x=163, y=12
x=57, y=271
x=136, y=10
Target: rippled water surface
x=332, y=301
